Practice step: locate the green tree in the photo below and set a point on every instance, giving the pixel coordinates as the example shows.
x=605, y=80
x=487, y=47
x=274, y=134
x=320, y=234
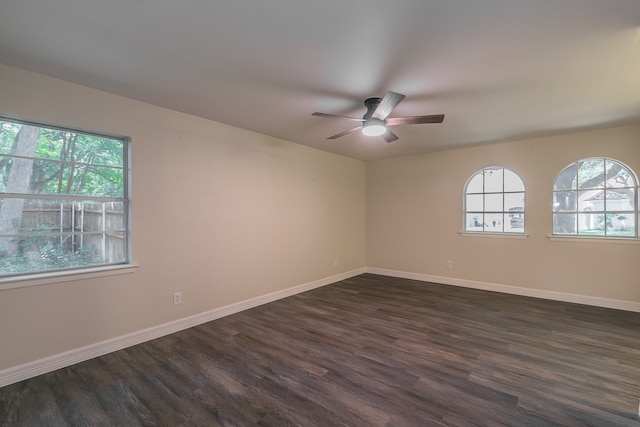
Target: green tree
x=38, y=161
x=74, y=163
x=18, y=181
x=586, y=174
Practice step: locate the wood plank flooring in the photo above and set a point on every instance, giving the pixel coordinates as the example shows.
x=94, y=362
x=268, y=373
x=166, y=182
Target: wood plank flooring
x=367, y=351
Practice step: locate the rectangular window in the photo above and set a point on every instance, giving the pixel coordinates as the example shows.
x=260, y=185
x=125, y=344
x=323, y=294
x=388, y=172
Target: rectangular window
x=63, y=199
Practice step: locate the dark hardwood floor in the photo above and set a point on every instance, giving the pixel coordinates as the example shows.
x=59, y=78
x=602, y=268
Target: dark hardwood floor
x=368, y=351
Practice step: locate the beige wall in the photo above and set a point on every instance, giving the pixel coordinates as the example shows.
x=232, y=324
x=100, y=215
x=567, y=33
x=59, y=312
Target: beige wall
x=414, y=216
x=275, y=215
x=219, y=213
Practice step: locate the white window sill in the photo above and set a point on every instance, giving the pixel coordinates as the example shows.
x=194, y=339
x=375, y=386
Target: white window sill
x=587, y=239
x=494, y=235
x=14, y=282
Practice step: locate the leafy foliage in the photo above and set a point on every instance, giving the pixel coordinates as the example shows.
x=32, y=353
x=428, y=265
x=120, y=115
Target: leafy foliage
x=64, y=162
x=50, y=256
x=579, y=197
x=67, y=162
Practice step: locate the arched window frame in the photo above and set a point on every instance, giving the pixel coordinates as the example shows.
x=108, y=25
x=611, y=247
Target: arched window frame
x=598, y=209
x=494, y=205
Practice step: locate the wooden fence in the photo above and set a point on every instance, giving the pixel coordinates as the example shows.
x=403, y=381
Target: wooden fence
x=98, y=227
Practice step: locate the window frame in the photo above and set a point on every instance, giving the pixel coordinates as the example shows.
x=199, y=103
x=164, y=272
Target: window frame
x=12, y=280
x=576, y=212
x=503, y=212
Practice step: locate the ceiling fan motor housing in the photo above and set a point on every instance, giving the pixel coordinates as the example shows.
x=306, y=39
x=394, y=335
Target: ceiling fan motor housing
x=371, y=104
x=376, y=119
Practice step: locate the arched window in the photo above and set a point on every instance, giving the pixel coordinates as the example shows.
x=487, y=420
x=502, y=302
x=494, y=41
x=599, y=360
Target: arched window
x=596, y=197
x=494, y=201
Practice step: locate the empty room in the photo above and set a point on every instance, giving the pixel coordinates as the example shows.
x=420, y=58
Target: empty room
x=284, y=213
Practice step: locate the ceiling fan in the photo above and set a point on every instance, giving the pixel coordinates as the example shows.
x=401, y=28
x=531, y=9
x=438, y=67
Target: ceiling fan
x=375, y=120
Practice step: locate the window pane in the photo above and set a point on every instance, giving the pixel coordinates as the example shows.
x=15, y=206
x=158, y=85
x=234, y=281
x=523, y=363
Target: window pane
x=46, y=216
x=493, y=203
x=620, y=200
x=63, y=145
x=493, y=180
x=474, y=222
x=474, y=203
x=591, y=201
x=514, y=202
x=564, y=223
x=591, y=224
x=493, y=222
x=45, y=253
x=50, y=234
x=475, y=184
x=512, y=182
x=591, y=173
x=514, y=222
x=8, y=133
x=619, y=176
x=565, y=201
x=48, y=177
x=621, y=224
x=566, y=180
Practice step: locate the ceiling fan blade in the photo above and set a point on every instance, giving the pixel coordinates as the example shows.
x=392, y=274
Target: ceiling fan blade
x=415, y=120
x=386, y=106
x=389, y=136
x=338, y=135
x=335, y=116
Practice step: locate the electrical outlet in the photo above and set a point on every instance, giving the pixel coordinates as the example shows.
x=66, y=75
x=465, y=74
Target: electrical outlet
x=449, y=263
x=336, y=262
x=177, y=298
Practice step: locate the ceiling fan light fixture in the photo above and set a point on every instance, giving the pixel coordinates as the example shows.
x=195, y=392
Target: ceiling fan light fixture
x=374, y=127
x=375, y=120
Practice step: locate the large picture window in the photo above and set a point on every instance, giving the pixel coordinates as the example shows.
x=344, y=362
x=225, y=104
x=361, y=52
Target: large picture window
x=63, y=199
x=596, y=197
x=494, y=201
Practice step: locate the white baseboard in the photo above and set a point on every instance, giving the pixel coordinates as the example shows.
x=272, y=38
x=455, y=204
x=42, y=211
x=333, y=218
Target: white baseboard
x=528, y=292
x=62, y=360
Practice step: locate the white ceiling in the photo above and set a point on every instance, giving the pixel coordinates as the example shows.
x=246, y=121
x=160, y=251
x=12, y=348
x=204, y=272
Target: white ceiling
x=498, y=69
